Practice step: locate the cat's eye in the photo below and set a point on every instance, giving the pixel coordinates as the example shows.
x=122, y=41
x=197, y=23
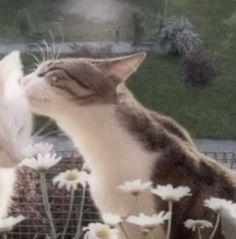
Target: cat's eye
x=54, y=80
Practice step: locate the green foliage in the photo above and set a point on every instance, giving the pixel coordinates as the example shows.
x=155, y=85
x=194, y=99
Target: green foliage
x=27, y=19
x=152, y=23
x=206, y=113
x=200, y=68
x=231, y=21
x=138, y=27
x=178, y=35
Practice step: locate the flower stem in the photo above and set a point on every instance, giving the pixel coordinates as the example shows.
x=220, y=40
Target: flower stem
x=4, y=236
x=72, y=196
x=216, y=226
x=46, y=204
x=79, y=226
x=199, y=233
x=137, y=202
x=124, y=231
x=170, y=206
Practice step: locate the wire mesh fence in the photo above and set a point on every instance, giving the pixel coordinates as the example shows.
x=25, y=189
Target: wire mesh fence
x=28, y=201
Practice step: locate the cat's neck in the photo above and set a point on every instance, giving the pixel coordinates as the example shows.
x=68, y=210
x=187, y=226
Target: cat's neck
x=87, y=121
x=101, y=139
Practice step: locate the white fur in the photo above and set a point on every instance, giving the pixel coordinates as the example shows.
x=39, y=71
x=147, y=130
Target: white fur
x=114, y=156
x=15, y=126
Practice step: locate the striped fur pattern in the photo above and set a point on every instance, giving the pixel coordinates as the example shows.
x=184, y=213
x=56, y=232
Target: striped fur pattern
x=122, y=140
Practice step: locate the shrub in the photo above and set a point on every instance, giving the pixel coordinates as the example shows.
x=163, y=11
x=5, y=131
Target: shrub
x=178, y=35
x=200, y=68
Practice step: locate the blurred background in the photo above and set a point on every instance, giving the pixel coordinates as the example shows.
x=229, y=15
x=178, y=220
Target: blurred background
x=189, y=73
x=190, y=70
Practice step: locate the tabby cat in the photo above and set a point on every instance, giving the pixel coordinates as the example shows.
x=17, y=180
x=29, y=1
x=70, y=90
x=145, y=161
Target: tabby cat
x=122, y=140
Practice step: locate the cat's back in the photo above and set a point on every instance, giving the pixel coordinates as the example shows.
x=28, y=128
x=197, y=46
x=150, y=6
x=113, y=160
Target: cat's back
x=179, y=163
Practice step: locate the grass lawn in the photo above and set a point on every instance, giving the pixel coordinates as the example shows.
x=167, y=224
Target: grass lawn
x=208, y=112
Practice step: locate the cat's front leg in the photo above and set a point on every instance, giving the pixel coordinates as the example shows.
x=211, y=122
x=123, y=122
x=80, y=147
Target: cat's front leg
x=7, y=181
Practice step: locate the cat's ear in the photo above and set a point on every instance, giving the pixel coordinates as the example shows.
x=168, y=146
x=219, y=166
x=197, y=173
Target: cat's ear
x=11, y=67
x=122, y=67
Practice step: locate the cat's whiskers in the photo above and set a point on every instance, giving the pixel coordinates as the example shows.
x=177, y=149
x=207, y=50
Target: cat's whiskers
x=34, y=57
x=42, y=52
x=53, y=45
x=57, y=55
x=42, y=128
x=48, y=49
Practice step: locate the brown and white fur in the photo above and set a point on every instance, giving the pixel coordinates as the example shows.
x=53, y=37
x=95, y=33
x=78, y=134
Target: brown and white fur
x=15, y=126
x=121, y=140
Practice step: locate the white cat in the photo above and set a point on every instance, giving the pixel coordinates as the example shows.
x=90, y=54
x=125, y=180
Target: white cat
x=15, y=126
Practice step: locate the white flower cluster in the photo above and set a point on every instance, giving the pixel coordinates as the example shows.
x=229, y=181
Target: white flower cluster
x=7, y=224
x=41, y=158
x=134, y=187
x=100, y=231
x=167, y=193
x=195, y=224
x=146, y=222
x=71, y=179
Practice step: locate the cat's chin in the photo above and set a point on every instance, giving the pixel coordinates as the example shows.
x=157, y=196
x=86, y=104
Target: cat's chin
x=37, y=105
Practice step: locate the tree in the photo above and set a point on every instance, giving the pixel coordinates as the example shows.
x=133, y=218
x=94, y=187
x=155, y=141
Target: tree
x=138, y=27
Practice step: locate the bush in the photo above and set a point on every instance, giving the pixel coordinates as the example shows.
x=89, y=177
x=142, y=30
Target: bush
x=178, y=35
x=200, y=68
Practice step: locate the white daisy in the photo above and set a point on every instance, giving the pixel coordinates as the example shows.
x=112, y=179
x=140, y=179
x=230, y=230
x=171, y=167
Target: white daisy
x=134, y=187
x=171, y=194
x=71, y=179
x=194, y=224
x=149, y=222
x=38, y=148
x=7, y=224
x=111, y=219
x=217, y=204
x=100, y=231
x=42, y=162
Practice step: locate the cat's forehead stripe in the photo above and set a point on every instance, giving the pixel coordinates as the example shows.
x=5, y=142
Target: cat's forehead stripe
x=71, y=76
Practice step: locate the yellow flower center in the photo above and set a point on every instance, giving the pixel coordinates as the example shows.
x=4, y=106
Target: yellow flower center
x=103, y=232
x=72, y=175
